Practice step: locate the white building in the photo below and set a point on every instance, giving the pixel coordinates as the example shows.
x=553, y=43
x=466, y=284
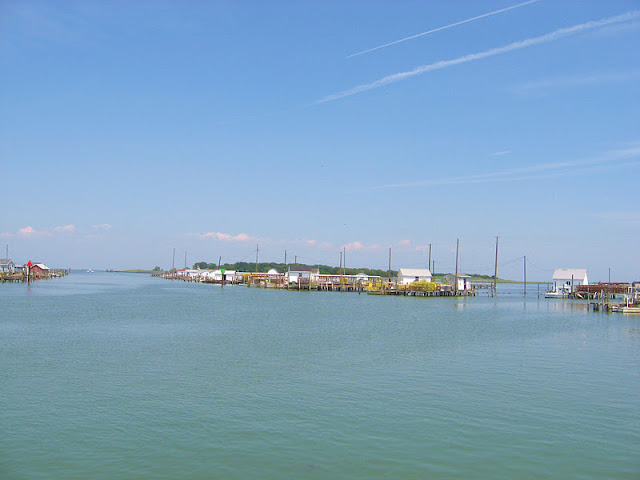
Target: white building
x=464, y=281
x=301, y=274
x=410, y=275
x=566, y=279
x=7, y=265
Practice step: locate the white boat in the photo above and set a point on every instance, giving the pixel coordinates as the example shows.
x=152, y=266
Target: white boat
x=560, y=292
x=555, y=295
x=635, y=310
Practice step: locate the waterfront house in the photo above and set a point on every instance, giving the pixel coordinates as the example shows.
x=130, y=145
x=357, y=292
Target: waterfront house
x=301, y=274
x=39, y=270
x=410, y=275
x=566, y=279
x=464, y=281
x=7, y=265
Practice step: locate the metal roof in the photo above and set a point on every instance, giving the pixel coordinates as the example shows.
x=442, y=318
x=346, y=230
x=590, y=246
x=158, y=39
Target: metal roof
x=568, y=273
x=414, y=272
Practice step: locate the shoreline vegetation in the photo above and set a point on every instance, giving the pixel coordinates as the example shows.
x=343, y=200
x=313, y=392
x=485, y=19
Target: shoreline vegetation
x=264, y=267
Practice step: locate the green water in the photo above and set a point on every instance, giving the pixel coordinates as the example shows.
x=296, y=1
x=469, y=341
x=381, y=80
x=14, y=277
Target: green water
x=121, y=376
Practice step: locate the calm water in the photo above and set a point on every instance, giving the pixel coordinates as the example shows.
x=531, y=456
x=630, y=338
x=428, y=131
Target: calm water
x=121, y=376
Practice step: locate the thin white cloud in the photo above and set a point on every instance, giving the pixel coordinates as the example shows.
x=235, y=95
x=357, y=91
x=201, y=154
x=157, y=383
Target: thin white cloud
x=358, y=246
x=501, y=153
x=226, y=237
x=624, y=157
x=6, y=235
x=549, y=37
x=30, y=232
x=576, y=81
x=65, y=229
x=404, y=243
x=495, y=12
x=102, y=226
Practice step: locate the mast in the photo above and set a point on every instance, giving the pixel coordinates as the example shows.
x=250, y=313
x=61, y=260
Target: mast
x=525, y=275
x=257, y=249
x=457, y=251
x=495, y=271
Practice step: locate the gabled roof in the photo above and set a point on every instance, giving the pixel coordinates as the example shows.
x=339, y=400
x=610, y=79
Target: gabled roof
x=568, y=273
x=302, y=268
x=414, y=272
x=460, y=275
x=5, y=261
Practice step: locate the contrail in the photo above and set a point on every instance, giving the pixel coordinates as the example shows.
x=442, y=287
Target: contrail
x=549, y=37
x=443, y=28
x=628, y=156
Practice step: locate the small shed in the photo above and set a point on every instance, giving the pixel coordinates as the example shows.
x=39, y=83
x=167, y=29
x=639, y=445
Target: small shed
x=464, y=281
x=410, y=275
x=39, y=270
x=298, y=272
x=566, y=279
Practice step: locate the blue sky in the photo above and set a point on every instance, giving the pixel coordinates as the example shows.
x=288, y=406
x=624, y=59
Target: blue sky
x=128, y=129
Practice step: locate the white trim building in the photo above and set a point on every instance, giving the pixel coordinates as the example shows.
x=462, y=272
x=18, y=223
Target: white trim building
x=464, y=281
x=566, y=279
x=7, y=265
x=298, y=274
x=410, y=275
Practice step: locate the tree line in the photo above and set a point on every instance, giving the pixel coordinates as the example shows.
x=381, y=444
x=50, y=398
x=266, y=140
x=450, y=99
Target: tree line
x=264, y=267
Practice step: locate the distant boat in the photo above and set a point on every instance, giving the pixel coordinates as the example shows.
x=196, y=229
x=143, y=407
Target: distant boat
x=89, y=271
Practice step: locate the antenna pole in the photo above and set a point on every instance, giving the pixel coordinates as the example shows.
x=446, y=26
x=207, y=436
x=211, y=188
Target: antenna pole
x=429, y=264
x=525, y=275
x=257, y=250
x=457, y=251
x=495, y=271
x=173, y=263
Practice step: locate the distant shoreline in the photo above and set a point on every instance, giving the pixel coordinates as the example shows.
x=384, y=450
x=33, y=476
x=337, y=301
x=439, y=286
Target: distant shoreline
x=473, y=279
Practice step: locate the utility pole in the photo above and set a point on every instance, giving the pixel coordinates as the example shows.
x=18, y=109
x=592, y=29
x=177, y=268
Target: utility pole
x=295, y=259
x=457, y=251
x=219, y=261
x=173, y=263
x=389, y=263
x=257, y=249
x=344, y=259
x=495, y=271
x=609, y=273
x=185, y=259
x=434, y=268
x=285, y=257
x=525, y=275
x=341, y=264
x=429, y=264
